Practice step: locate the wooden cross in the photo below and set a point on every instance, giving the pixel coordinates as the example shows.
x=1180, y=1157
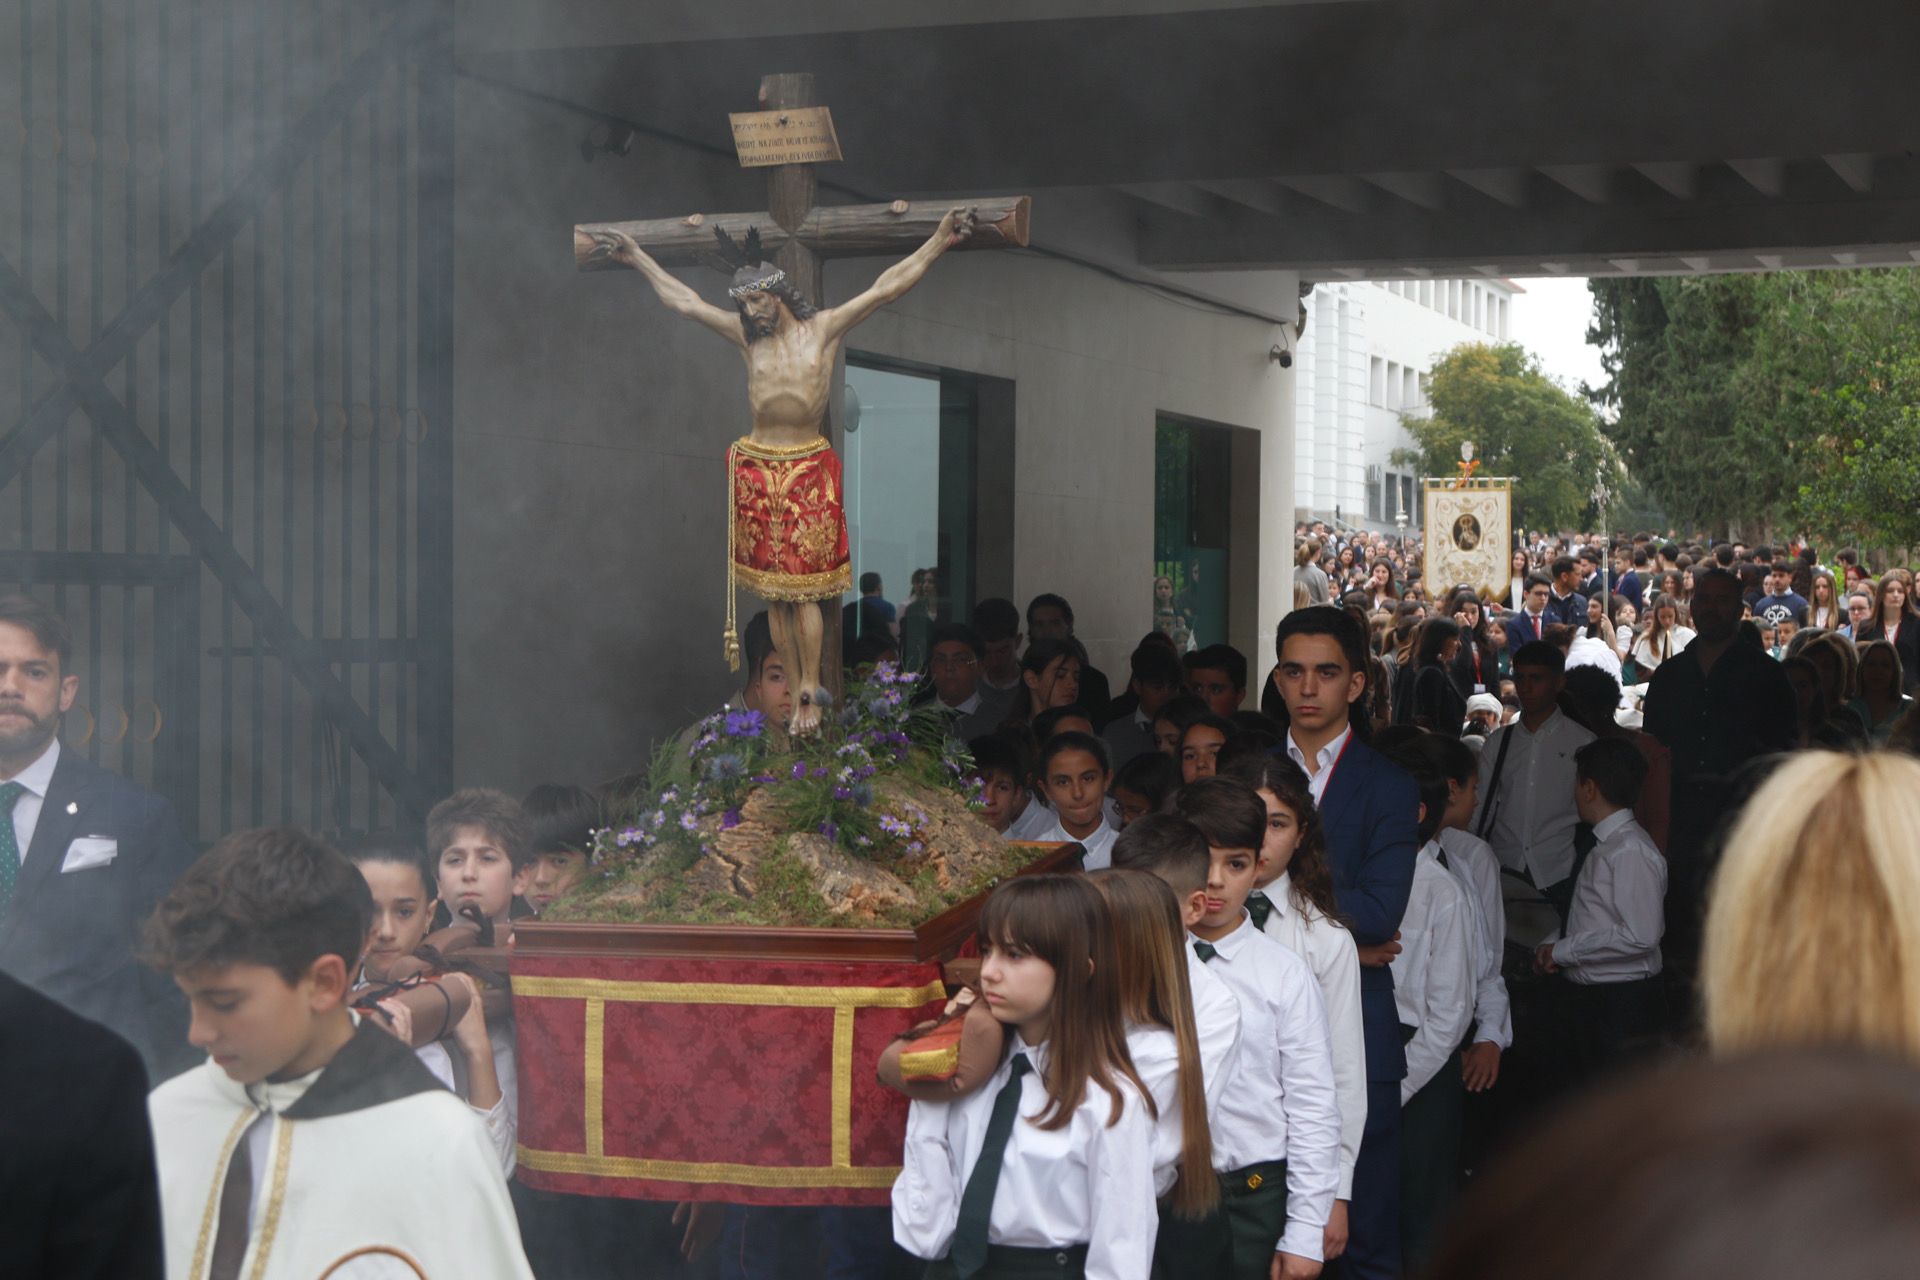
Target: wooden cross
x=800, y=237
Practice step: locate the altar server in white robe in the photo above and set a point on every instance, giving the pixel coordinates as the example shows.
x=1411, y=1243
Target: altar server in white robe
x=308, y=1138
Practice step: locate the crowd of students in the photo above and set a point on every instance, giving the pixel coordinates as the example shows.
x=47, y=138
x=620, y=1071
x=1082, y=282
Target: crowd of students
x=1325, y=956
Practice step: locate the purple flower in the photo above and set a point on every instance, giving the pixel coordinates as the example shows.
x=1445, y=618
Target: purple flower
x=729, y=819
x=688, y=822
x=799, y=770
x=821, y=771
x=843, y=793
x=745, y=724
x=894, y=827
x=830, y=831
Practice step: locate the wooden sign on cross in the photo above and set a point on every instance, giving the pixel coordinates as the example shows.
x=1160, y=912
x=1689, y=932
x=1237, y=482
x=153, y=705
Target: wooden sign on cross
x=800, y=236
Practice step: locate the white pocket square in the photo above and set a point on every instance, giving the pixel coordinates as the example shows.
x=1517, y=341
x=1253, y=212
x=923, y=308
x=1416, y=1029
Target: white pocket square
x=88, y=852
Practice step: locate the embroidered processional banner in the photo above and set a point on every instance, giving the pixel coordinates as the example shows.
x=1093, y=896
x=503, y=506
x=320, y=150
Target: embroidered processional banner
x=1469, y=533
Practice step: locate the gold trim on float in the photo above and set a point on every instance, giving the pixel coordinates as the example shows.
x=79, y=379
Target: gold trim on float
x=596, y=992
x=593, y=1054
x=745, y=1175
x=764, y=994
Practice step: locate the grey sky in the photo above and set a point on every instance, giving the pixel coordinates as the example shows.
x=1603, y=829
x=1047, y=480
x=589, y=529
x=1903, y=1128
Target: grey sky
x=1550, y=319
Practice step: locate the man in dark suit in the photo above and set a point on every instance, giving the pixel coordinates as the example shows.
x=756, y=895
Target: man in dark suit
x=1369, y=814
x=1531, y=622
x=84, y=854
x=79, y=1198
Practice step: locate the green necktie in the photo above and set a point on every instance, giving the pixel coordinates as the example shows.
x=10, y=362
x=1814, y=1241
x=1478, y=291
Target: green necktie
x=969, y=1251
x=1205, y=950
x=1259, y=906
x=10, y=793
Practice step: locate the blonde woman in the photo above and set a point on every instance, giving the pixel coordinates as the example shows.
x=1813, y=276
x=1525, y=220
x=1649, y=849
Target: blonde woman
x=1813, y=935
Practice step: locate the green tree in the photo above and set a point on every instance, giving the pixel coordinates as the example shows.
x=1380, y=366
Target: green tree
x=1679, y=355
x=1750, y=403
x=1522, y=424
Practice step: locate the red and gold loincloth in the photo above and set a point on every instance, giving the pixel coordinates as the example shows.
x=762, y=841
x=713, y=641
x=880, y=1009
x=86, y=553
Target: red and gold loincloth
x=786, y=525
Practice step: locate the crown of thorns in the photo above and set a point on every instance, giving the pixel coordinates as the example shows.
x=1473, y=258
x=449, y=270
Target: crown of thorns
x=759, y=285
x=750, y=256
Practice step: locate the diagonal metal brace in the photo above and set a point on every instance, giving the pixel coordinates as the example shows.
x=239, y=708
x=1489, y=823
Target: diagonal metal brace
x=208, y=240
x=305, y=658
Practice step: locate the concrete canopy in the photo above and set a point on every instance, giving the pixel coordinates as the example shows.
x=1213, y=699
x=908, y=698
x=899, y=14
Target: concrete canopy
x=1360, y=138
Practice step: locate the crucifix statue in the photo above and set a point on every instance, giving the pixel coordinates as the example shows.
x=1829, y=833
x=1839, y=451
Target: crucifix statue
x=786, y=527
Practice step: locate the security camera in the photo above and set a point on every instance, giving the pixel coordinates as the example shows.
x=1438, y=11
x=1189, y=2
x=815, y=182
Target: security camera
x=1281, y=356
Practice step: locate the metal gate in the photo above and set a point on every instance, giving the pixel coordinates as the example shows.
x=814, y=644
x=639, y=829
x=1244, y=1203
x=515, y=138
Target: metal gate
x=227, y=264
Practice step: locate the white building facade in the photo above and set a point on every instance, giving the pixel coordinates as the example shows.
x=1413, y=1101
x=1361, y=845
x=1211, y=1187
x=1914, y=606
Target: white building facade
x=1363, y=363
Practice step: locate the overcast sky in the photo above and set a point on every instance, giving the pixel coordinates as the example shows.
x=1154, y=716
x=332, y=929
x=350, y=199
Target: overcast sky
x=1550, y=319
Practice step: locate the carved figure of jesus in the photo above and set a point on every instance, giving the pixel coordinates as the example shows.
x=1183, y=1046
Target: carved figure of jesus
x=787, y=527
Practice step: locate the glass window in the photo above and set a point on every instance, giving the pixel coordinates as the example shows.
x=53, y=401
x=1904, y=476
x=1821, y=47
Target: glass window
x=1192, y=510
x=910, y=479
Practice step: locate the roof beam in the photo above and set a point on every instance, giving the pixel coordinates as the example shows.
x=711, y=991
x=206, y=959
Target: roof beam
x=1423, y=189
x=1855, y=169
x=1346, y=194
x=1678, y=178
x=1252, y=193
x=1591, y=182
x=1508, y=186
x=1767, y=175
x=1181, y=197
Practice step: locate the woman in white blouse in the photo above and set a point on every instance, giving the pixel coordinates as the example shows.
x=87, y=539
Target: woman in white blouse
x=1665, y=635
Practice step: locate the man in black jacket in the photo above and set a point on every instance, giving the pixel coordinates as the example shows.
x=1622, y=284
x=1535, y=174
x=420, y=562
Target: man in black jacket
x=79, y=1199
x=84, y=854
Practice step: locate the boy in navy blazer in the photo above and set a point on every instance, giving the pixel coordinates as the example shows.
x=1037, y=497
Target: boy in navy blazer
x=84, y=854
x=1370, y=813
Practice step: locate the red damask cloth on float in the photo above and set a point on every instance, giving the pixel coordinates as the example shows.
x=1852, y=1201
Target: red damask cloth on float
x=787, y=525
x=743, y=1081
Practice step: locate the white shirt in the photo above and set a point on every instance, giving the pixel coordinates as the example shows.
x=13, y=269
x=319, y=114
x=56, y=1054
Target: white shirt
x=1216, y=1022
x=967, y=708
x=1533, y=825
x=1099, y=845
x=1033, y=819
x=36, y=778
x=1433, y=974
x=1083, y=1183
x=499, y=1118
x=1614, y=926
x=1320, y=772
x=1648, y=656
x=1473, y=865
x=1329, y=951
x=1156, y=1056
x=1286, y=1055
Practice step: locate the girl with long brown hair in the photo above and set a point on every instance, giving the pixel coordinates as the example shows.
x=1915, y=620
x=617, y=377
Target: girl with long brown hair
x=1049, y=1164
x=1156, y=1000
x=1293, y=903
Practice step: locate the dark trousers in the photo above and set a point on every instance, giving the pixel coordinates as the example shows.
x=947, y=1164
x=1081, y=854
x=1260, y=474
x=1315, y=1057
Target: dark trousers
x=1431, y=1126
x=1614, y=1025
x=570, y=1237
x=1373, y=1217
x=1005, y=1262
x=1234, y=1242
x=769, y=1243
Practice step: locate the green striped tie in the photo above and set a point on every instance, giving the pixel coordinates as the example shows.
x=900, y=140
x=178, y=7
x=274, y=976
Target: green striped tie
x=10, y=793
x=1205, y=950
